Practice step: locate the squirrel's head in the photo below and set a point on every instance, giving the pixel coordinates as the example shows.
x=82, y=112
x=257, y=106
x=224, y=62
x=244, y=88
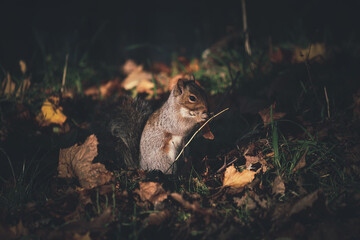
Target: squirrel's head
x=191, y=99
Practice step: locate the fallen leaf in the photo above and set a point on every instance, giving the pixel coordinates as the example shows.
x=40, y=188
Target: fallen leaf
x=152, y=192
x=50, y=114
x=251, y=160
x=105, y=90
x=7, y=86
x=206, y=132
x=139, y=79
x=159, y=67
x=129, y=66
x=266, y=116
x=278, y=186
x=236, y=179
x=302, y=162
x=76, y=162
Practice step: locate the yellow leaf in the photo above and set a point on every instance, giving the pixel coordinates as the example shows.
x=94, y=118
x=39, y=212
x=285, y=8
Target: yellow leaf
x=8, y=86
x=236, y=179
x=50, y=114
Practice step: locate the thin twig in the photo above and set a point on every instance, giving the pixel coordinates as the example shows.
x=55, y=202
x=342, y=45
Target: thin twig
x=226, y=165
x=64, y=73
x=327, y=102
x=182, y=150
x=247, y=44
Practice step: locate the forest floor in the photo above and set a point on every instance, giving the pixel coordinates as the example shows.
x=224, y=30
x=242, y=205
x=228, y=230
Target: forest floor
x=284, y=162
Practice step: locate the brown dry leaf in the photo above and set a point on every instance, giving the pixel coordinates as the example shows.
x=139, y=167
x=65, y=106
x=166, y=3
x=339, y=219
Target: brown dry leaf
x=278, y=186
x=160, y=67
x=50, y=114
x=235, y=179
x=76, y=161
x=105, y=90
x=129, y=66
x=145, y=86
x=206, y=132
x=157, y=218
x=138, y=78
x=7, y=86
x=250, y=160
x=78, y=236
x=301, y=163
x=266, y=116
x=152, y=192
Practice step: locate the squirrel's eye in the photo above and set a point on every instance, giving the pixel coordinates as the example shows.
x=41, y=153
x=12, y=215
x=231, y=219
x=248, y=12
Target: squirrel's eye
x=192, y=98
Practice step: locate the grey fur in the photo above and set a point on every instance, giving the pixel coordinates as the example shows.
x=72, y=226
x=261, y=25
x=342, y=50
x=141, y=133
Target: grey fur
x=126, y=125
x=164, y=132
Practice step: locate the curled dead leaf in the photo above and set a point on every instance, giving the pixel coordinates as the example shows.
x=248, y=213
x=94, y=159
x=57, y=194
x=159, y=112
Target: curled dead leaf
x=235, y=179
x=76, y=161
x=152, y=192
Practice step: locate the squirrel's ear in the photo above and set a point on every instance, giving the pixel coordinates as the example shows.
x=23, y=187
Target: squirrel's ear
x=192, y=77
x=179, y=87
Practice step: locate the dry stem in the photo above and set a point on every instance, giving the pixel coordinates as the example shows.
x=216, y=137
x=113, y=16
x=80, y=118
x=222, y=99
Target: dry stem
x=182, y=150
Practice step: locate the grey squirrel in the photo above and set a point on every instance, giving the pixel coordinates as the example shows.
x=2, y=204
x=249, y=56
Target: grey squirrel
x=152, y=142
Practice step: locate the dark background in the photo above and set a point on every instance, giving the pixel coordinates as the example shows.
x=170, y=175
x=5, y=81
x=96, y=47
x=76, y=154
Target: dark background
x=111, y=31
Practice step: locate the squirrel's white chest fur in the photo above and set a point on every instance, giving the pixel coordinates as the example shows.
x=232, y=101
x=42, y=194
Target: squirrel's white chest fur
x=174, y=143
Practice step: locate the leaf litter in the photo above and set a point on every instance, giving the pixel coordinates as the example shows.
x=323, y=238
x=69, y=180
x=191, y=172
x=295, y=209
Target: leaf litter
x=90, y=201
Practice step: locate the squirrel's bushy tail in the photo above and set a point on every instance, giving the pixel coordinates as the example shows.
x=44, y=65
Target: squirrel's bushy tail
x=126, y=125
